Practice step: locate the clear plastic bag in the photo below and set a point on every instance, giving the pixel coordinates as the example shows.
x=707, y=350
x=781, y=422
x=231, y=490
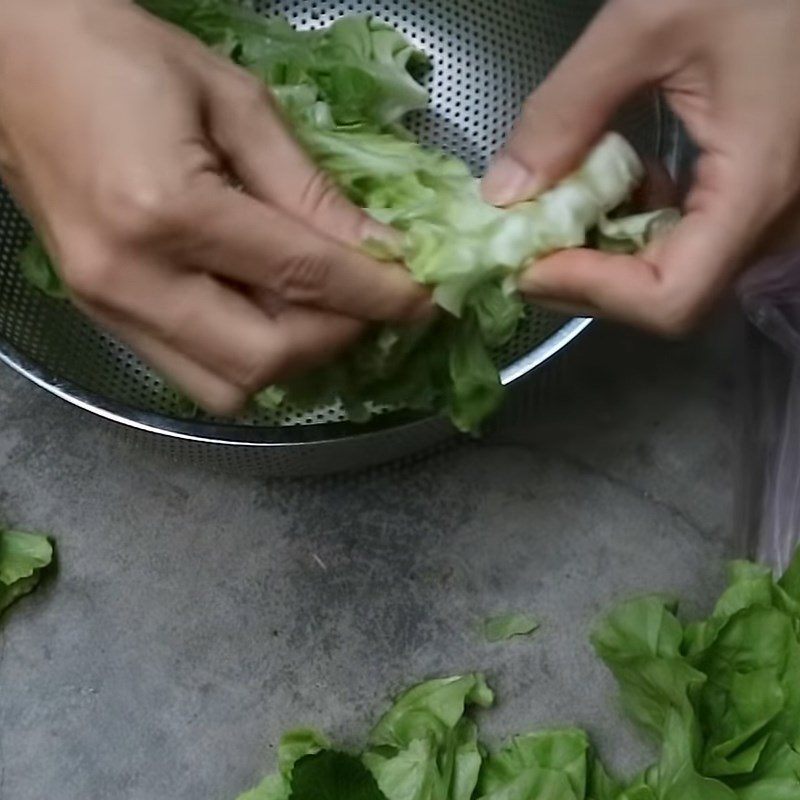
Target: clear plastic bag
x=768, y=496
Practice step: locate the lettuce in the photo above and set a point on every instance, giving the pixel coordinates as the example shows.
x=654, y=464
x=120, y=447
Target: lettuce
x=548, y=764
x=23, y=556
x=509, y=626
x=345, y=91
x=425, y=748
x=295, y=746
x=721, y=697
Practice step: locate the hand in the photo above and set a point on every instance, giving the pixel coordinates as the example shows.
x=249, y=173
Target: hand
x=729, y=69
x=122, y=137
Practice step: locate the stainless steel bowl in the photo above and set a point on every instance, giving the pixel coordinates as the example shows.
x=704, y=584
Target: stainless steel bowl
x=488, y=54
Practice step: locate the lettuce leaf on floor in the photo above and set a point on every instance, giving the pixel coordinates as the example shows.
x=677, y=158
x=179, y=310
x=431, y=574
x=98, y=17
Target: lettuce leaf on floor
x=548, y=764
x=720, y=697
x=332, y=775
x=425, y=747
x=294, y=747
x=23, y=556
x=509, y=626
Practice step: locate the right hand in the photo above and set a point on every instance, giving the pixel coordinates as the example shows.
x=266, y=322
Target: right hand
x=729, y=69
x=121, y=136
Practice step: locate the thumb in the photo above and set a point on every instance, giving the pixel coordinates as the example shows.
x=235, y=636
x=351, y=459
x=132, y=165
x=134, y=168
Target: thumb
x=670, y=286
x=564, y=117
x=249, y=130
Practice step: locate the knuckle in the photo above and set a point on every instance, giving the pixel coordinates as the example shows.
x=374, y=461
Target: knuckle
x=319, y=196
x=176, y=327
x=250, y=94
x=304, y=276
x=147, y=210
x=90, y=272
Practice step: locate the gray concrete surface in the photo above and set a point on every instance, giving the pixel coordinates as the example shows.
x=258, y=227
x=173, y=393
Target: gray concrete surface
x=196, y=616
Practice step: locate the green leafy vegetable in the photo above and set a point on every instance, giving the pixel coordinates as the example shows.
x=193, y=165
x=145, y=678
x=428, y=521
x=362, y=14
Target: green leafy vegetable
x=424, y=747
x=631, y=234
x=23, y=556
x=39, y=270
x=720, y=696
x=333, y=776
x=295, y=746
x=345, y=91
x=550, y=764
x=508, y=626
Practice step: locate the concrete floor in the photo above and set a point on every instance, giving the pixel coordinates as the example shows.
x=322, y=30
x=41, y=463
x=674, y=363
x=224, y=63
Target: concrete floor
x=195, y=616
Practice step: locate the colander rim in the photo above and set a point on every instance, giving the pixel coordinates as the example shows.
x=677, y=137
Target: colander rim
x=261, y=436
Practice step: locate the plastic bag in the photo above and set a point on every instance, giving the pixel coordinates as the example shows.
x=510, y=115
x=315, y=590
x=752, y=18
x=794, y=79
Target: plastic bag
x=768, y=495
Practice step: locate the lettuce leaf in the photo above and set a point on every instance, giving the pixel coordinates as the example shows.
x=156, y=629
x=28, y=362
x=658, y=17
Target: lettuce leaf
x=23, y=556
x=551, y=765
x=294, y=747
x=40, y=271
x=333, y=776
x=424, y=748
x=509, y=626
x=721, y=697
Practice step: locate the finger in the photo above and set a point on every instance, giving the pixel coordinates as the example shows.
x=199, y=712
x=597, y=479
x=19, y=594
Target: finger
x=571, y=108
x=223, y=331
x=313, y=337
x=676, y=279
x=212, y=393
x=239, y=238
x=565, y=309
x=249, y=130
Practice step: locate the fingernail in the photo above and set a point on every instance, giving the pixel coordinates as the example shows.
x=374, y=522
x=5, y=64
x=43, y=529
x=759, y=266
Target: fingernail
x=530, y=285
x=508, y=181
x=379, y=232
x=382, y=241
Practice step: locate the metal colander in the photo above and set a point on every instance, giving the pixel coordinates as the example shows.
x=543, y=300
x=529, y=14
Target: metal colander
x=487, y=54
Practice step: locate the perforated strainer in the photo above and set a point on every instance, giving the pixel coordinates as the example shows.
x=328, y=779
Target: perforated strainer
x=488, y=54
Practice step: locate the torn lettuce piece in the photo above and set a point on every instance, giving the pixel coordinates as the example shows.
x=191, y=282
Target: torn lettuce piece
x=467, y=251
x=640, y=642
x=454, y=240
x=722, y=695
x=424, y=748
x=632, y=234
x=331, y=775
x=294, y=747
x=361, y=68
x=509, y=626
x=40, y=271
x=23, y=556
x=548, y=764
